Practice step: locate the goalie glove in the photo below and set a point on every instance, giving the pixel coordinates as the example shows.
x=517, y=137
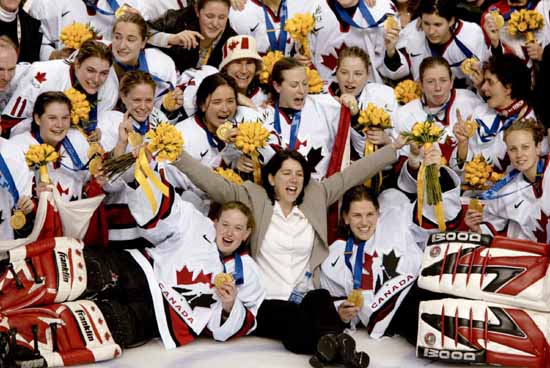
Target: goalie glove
x=471, y=331
x=500, y=270
x=56, y=335
x=41, y=273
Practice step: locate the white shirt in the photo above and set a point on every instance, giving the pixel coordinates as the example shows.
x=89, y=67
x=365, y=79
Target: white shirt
x=283, y=258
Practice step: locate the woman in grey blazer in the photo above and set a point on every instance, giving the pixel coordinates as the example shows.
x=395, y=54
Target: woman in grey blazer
x=314, y=325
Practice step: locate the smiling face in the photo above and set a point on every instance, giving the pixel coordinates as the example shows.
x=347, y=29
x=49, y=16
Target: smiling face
x=92, y=73
x=293, y=89
x=498, y=95
x=139, y=101
x=436, y=85
x=8, y=62
x=231, y=231
x=220, y=106
x=351, y=75
x=127, y=43
x=361, y=219
x=523, y=151
x=213, y=19
x=54, y=123
x=243, y=71
x=436, y=28
x=288, y=182
x=10, y=5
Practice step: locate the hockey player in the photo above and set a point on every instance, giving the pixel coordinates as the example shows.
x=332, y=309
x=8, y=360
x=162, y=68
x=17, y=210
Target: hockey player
x=242, y=62
x=52, y=125
x=348, y=23
x=437, y=32
x=380, y=254
x=129, y=38
x=440, y=102
x=506, y=84
x=89, y=73
x=15, y=189
x=305, y=123
x=217, y=104
x=517, y=206
x=166, y=290
x=265, y=21
x=11, y=71
x=354, y=91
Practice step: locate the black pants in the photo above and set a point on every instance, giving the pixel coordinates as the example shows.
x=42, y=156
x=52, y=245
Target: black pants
x=299, y=326
x=119, y=287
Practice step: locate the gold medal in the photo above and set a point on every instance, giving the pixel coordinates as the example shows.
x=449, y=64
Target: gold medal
x=476, y=205
x=95, y=149
x=222, y=278
x=18, y=220
x=471, y=127
x=96, y=164
x=499, y=19
x=223, y=131
x=390, y=23
x=169, y=101
x=467, y=66
x=121, y=10
x=356, y=298
x=135, y=139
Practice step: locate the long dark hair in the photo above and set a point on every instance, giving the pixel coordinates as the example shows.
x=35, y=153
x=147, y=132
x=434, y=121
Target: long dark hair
x=209, y=85
x=275, y=165
x=512, y=73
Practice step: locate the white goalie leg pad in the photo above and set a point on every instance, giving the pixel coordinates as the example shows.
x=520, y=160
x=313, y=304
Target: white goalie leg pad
x=471, y=331
x=500, y=270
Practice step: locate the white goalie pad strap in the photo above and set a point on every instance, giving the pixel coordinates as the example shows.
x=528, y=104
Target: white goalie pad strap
x=500, y=270
x=471, y=331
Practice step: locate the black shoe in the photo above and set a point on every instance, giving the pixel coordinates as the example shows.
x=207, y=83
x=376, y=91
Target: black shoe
x=346, y=347
x=314, y=361
x=327, y=348
x=360, y=360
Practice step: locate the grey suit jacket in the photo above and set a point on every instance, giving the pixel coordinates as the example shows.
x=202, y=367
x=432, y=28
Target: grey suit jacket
x=318, y=196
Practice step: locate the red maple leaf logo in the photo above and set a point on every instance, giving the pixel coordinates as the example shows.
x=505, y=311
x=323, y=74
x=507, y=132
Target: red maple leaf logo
x=233, y=44
x=61, y=190
x=330, y=60
x=185, y=277
x=40, y=77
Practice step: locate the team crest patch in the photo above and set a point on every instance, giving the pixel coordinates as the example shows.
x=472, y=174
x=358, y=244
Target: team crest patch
x=38, y=79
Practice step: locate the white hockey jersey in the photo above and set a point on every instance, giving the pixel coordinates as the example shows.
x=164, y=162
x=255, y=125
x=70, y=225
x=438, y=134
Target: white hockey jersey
x=69, y=175
x=333, y=35
x=445, y=117
x=391, y=262
x=317, y=131
x=413, y=47
x=181, y=268
x=152, y=10
x=16, y=179
x=56, y=15
x=20, y=70
x=252, y=21
x=521, y=209
x=54, y=75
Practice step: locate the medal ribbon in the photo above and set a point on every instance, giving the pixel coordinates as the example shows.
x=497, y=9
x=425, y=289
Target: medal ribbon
x=364, y=11
x=144, y=67
x=274, y=43
x=69, y=148
x=294, y=128
x=238, y=274
x=10, y=183
x=357, y=271
x=112, y=3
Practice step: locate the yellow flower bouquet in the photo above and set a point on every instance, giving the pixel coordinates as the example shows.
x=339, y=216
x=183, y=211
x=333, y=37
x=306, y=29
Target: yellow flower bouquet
x=74, y=35
x=314, y=80
x=165, y=143
x=526, y=22
x=38, y=156
x=479, y=174
x=230, y=175
x=425, y=134
x=80, y=111
x=299, y=27
x=269, y=60
x=406, y=91
x=252, y=136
